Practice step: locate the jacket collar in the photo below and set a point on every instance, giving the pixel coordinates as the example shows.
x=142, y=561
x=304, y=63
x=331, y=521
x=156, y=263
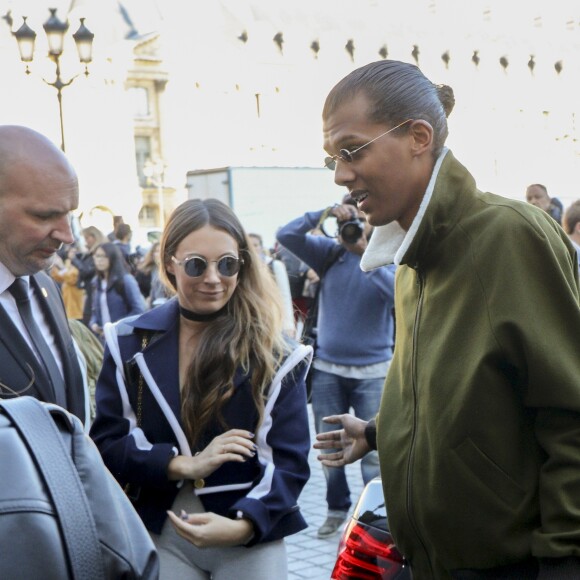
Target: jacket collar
x=442, y=204
x=164, y=318
x=158, y=319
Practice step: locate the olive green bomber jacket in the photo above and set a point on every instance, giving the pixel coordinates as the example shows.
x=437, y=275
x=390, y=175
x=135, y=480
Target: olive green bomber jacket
x=479, y=427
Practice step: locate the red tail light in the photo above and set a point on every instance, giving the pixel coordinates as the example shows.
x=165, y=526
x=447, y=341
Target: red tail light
x=367, y=555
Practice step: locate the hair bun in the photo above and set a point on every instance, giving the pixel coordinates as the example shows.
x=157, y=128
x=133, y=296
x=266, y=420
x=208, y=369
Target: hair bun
x=446, y=97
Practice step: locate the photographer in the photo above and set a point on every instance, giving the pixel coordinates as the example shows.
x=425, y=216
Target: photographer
x=355, y=332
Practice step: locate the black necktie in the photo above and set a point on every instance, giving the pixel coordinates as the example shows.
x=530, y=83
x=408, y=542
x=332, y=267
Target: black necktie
x=19, y=289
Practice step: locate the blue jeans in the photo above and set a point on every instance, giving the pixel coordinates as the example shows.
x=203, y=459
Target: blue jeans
x=335, y=395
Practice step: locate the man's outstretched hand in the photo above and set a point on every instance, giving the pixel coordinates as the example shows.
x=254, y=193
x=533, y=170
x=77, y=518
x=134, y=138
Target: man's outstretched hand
x=350, y=441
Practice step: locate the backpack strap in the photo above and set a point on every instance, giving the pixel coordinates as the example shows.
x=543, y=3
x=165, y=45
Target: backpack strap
x=336, y=252
x=44, y=441
x=312, y=316
x=112, y=331
x=144, y=343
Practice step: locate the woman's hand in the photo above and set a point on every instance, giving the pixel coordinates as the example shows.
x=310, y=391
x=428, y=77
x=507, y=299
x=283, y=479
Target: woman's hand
x=210, y=530
x=97, y=329
x=233, y=445
x=312, y=276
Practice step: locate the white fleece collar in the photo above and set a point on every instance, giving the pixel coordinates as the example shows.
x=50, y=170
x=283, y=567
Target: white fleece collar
x=389, y=243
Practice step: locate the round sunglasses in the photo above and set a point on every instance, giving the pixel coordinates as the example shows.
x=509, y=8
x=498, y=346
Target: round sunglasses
x=195, y=266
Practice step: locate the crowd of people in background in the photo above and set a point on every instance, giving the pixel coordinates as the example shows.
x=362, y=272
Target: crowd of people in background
x=103, y=278
x=568, y=218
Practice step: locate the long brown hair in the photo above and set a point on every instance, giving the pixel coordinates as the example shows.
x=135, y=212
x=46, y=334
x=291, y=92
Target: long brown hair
x=97, y=235
x=248, y=336
x=148, y=263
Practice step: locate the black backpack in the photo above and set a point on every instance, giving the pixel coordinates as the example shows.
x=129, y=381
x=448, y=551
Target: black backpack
x=62, y=514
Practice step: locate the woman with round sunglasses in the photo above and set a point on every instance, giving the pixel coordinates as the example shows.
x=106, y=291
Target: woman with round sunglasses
x=201, y=406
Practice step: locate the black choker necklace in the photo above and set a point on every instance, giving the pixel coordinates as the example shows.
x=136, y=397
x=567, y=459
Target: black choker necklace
x=190, y=315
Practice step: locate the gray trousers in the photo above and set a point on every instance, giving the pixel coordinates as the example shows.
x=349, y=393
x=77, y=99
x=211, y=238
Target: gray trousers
x=182, y=560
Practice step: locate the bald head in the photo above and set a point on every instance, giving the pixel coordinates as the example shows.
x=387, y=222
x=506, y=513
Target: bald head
x=38, y=190
x=537, y=195
x=23, y=147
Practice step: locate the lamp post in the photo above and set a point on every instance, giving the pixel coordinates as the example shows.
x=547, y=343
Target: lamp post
x=55, y=30
x=155, y=173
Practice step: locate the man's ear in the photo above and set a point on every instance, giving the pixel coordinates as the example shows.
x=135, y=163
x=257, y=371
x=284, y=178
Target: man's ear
x=422, y=133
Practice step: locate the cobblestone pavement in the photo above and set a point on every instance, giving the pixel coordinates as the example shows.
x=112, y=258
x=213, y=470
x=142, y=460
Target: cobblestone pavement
x=310, y=558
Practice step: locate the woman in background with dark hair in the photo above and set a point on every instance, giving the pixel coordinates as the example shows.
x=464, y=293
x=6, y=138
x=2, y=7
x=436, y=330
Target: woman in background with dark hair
x=84, y=263
x=115, y=292
x=201, y=406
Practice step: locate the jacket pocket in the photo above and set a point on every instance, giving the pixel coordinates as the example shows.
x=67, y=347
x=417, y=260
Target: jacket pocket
x=489, y=473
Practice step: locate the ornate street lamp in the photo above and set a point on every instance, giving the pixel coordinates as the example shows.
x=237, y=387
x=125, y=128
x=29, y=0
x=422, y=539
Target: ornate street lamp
x=84, y=41
x=26, y=38
x=55, y=30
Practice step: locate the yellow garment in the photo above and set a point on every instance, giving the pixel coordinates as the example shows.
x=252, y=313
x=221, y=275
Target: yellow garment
x=72, y=296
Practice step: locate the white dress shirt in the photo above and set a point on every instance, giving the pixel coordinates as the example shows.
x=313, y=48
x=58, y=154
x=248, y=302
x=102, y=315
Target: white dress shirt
x=9, y=304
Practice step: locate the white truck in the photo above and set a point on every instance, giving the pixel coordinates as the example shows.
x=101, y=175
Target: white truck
x=266, y=198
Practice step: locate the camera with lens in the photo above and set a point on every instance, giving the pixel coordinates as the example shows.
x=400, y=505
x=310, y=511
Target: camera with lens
x=351, y=231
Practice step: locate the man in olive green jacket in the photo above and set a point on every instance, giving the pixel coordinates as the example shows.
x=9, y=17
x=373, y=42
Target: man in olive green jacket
x=479, y=428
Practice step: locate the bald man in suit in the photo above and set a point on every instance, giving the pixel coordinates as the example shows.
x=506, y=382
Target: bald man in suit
x=38, y=192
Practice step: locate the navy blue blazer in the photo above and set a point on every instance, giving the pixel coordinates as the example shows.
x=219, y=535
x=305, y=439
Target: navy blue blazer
x=21, y=371
x=265, y=488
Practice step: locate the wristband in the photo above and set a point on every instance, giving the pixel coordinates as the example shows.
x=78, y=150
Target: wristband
x=371, y=434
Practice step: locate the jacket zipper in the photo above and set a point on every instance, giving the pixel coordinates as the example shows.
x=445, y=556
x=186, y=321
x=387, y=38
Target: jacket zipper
x=410, y=514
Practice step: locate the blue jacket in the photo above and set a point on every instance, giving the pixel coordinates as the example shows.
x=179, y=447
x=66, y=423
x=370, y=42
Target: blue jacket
x=355, y=321
x=119, y=306
x=265, y=488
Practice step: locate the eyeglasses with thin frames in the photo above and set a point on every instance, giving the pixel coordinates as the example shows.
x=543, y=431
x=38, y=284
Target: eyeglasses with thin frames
x=195, y=266
x=347, y=156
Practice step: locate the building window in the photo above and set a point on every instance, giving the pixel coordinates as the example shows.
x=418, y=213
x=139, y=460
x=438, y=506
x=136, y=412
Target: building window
x=148, y=215
x=140, y=101
x=142, y=154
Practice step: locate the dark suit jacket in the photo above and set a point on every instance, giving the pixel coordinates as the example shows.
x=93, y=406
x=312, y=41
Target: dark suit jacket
x=20, y=371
